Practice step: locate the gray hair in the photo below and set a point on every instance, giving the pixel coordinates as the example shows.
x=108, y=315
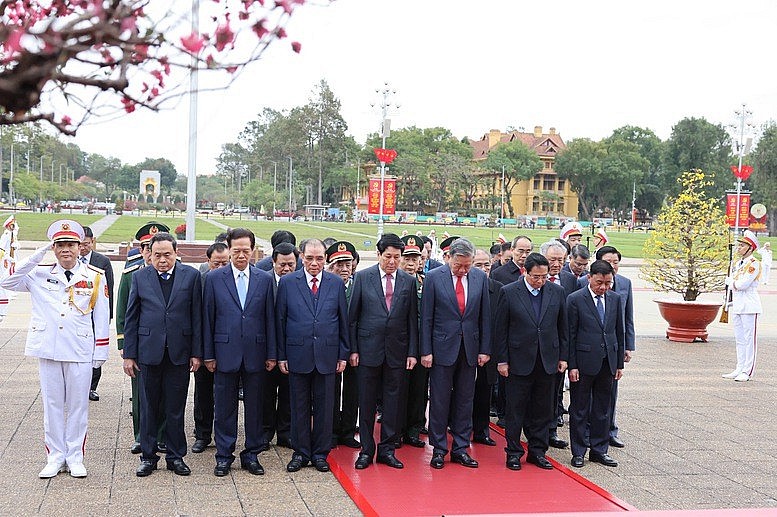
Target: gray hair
x=552, y=244
x=462, y=247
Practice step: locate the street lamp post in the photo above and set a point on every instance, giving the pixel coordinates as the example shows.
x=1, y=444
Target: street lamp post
x=386, y=93
x=291, y=183
x=742, y=150
x=274, y=186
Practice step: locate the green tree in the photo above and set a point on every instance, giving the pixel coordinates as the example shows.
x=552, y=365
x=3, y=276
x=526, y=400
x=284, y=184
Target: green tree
x=650, y=190
x=764, y=177
x=581, y=163
x=696, y=143
x=519, y=162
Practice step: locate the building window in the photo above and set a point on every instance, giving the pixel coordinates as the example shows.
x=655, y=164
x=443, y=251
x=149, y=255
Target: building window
x=562, y=184
x=549, y=183
x=537, y=181
x=560, y=206
x=535, y=204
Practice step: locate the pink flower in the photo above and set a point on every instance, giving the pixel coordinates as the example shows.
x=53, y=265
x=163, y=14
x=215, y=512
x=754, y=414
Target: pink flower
x=224, y=36
x=129, y=104
x=281, y=33
x=193, y=43
x=66, y=120
x=296, y=46
x=259, y=29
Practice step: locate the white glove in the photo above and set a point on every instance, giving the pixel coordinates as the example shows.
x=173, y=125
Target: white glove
x=15, y=245
x=729, y=281
x=96, y=363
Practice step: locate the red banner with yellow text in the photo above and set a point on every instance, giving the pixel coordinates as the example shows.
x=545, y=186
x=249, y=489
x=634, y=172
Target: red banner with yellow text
x=744, y=209
x=389, y=196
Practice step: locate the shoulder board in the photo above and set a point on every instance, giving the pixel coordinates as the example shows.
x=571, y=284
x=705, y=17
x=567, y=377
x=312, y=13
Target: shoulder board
x=47, y=265
x=130, y=269
x=95, y=268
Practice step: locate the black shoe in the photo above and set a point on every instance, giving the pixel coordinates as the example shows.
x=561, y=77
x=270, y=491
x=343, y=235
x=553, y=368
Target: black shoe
x=296, y=463
x=161, y=447
x=604, y=459
x=501, y=423
x=438, y=460
x=254, y=467
x=541, y=461
x=424, y=430
x=321, y=465
x=492, y=413
x=398, y=443
x=390, y=460
x=464, y=459
x=485, y=440
x=136, y=448
x=617, y=442
x=93, y=396
x=222, y=469
x=577, y=461
x=179, y=467
x=283, y=442
x=349, y=441
x=414, y=442
x=557, y=442
x=560, y=421
x=199, y=446
x=145, y=468
x=363, y=461
x=513, y=462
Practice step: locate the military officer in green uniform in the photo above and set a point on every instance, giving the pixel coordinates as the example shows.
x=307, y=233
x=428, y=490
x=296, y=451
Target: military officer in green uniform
x=339, y=259
x=133, y=264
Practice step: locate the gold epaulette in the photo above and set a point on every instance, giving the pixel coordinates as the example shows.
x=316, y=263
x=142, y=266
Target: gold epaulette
x=95, y=268
x=131, y=269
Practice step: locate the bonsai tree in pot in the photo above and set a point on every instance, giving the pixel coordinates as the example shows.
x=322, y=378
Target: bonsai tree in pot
x=687, y=254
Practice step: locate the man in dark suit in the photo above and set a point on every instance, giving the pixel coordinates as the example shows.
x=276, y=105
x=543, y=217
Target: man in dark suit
x=278, y=237
x=275, y=394
x=163, y=340
x=532, y=346
x=311, y=317
x=383, y=316
x=429, y=262
x=455, y=340
x=91, y=257
x=579, y=257
x=622, y=286
x=239, y=341
x=486, y=376
x=513, y=270
x=596, y=352
x=218, y=256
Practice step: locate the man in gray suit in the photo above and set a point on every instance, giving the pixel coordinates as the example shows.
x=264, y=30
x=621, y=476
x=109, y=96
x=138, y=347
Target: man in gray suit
x=383, y=316
x=455, y=340
x=596, y=352
x=531, y=346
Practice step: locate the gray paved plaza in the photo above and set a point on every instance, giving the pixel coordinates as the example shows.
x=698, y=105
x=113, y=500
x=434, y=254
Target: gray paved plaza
x=693, y=439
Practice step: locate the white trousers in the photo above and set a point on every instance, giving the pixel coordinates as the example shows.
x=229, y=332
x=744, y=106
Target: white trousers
x=64, y=388
x=765, y=270
x=745, y=335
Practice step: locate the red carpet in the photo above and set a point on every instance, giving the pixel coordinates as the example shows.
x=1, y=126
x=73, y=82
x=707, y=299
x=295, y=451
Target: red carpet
x=419, y=489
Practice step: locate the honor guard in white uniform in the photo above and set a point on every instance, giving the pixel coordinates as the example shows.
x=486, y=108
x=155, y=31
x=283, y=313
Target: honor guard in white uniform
x=69, y=335
x=745, y=306
x=9, y=242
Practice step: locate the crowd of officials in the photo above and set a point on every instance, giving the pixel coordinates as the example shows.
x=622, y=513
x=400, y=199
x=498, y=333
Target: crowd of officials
x=318, y=352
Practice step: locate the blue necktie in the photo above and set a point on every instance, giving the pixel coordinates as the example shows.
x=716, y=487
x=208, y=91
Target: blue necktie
x=600, y=308
x=165, y=276
x=242, y=288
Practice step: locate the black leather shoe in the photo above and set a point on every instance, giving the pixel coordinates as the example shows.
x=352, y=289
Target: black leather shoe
x=321, y=465
x=161, y=447
x=557, y=442
x=199, y=446
x=145, y=468
x=398, y=443
x=560, y=421
x=485, y=440
x=604, y=459
x=391, y=461
x=254, y=467
x=349, y=441
x=541, y=461
x=296, y=463
x=617, y=442
x=501, y=423
x=136, y=448
x=93, y=396
x=464, y=459
x=363, y=461
x=179, y=467
x=414, y=442
x=283, y=442
x=222, y=469
x=513, y=462
x=423, y=430
x=577, y=461
x=438, y=460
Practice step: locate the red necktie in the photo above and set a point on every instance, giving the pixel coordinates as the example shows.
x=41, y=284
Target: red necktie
x=315, y=286
x=460, y=294
x=389, y=292
x=552, y=279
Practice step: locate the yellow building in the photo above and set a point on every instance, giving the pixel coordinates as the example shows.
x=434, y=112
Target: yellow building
x=546, y=195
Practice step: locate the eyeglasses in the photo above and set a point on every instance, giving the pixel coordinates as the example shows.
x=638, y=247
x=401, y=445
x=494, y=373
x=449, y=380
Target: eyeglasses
x=538, y=277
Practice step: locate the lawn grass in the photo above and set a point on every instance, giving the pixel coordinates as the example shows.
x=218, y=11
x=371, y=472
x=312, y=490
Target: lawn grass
x=33, y=226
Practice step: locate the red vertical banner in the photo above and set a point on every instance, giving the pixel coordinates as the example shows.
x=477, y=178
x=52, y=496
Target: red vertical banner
x=744, y=209
x=389, y=196
x=373, y=196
